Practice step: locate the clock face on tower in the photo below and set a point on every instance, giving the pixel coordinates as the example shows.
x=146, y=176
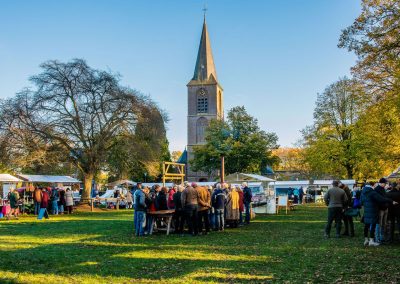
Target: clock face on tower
x=202, y=92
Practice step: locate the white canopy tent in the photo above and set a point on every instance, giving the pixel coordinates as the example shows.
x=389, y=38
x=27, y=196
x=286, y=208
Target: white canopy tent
x=7, y=182
x=48, y=179
x=7, y=178
x=120, y=182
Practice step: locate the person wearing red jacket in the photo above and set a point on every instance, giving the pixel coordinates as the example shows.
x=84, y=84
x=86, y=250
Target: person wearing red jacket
x=170, y=201
x=241, y=204
x=45, y=202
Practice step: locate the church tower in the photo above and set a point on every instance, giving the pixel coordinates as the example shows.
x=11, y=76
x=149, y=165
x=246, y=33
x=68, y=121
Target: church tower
x=204, y=101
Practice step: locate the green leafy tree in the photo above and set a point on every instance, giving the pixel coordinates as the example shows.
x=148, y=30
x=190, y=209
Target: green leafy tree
x=330, y=144
x=239, y=139
x=375, y=38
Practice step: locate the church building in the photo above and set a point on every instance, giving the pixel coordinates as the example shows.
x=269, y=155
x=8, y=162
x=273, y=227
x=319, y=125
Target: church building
x=205, y=102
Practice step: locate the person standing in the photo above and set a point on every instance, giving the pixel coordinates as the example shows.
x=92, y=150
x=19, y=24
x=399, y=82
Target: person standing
x=179, y=214
x=61, y=202
x=301, y=195
x=161, y=199
x=204, y=206
x=394, y=210
x=247, y=197
x=140, y=211
x=170, y=199
x=381, y=231
x=190, y=202
x=218, y=200
x=54, y=197
x=129, y=199
x=241, y=204
x=371, y=200
x=14, y=196
x=348, y=220
x=69, y=200
x=232, y=208
x=45, y=202
x=335, y=198
x=37, y=198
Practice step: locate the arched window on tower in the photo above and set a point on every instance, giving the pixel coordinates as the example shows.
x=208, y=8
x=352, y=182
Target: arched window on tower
x=201, y=127
x=202, y=101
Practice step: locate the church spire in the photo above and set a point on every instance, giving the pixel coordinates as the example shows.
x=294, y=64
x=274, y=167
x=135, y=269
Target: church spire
x=205, y=68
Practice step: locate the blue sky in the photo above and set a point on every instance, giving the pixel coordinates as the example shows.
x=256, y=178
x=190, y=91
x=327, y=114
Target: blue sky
x=273, y=57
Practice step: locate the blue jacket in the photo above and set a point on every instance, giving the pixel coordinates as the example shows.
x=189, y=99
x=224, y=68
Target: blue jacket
x=218, y=199
x=139, y=198
x=371, y=200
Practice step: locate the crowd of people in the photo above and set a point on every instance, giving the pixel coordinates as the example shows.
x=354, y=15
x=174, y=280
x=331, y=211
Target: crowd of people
x=199, y=209
x=52, y=199
x=381, y=214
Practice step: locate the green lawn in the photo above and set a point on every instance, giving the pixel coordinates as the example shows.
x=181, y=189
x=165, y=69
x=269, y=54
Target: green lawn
x=100, y=248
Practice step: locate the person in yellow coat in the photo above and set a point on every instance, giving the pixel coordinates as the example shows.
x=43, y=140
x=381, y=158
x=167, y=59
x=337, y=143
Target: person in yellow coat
x=232, y=207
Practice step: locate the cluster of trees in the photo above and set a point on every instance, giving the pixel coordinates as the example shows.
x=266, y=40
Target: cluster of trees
x=245, y=147
x=77, y=117
x=357, y=121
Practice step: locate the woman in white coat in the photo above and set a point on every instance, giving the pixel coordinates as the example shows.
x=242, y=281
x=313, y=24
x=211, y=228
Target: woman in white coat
x=69, y=200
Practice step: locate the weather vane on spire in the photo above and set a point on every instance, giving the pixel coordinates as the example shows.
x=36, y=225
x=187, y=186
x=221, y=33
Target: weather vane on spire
x=205, y=10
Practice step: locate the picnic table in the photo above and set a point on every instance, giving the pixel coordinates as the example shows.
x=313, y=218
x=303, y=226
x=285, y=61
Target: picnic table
x=161, y=214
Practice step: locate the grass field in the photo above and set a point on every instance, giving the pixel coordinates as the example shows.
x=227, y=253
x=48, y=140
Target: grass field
x=100, y=248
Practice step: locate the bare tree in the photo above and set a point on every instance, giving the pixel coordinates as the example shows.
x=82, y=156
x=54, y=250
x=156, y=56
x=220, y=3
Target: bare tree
x=79, y=110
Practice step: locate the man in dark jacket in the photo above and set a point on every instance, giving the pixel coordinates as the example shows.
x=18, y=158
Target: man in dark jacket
x=247, y=197
x=179, y=214
x=335, y=198
x=381, y=233
x=394, y=210
x=371, y=200
x=218, y=200
x=190, y=203
x=348, y=220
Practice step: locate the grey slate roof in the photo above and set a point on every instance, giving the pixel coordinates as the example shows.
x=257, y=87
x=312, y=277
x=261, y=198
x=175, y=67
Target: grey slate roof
x=205, y=62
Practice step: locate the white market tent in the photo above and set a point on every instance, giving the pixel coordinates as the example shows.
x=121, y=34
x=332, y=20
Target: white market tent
x=120, y=182
x=48, y=179
x=7, y=178
x=7, y=182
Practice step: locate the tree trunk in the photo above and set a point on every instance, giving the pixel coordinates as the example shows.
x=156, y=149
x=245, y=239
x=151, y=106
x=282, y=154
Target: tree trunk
x=349, y=171
x=87, y=187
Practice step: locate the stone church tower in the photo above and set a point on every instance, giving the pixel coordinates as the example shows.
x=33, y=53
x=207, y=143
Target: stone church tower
x=205, y=101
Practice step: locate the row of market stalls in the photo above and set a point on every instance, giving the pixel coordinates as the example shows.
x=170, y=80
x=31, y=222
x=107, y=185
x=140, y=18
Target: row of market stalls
x=26, y=183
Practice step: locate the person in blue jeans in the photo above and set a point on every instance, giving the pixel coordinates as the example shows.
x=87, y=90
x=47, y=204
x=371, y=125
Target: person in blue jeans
x=55, y=197
x=218, y=200
x=247, y=196
x=140, y=211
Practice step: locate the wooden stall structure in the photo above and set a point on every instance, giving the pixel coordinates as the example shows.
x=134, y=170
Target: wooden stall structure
x=179, y=173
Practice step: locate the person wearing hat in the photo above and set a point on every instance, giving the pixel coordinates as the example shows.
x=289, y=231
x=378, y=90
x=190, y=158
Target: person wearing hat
x=335, y=198
x=381, y=232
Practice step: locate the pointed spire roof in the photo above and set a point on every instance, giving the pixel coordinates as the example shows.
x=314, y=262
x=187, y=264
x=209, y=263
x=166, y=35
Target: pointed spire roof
x=205, y=68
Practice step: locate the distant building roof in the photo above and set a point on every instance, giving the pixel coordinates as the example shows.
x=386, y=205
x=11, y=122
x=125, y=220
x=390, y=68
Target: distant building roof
x=8, y=178
x=48, y=179
x=183, y=158
x=268, y=171
x=247, y=177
